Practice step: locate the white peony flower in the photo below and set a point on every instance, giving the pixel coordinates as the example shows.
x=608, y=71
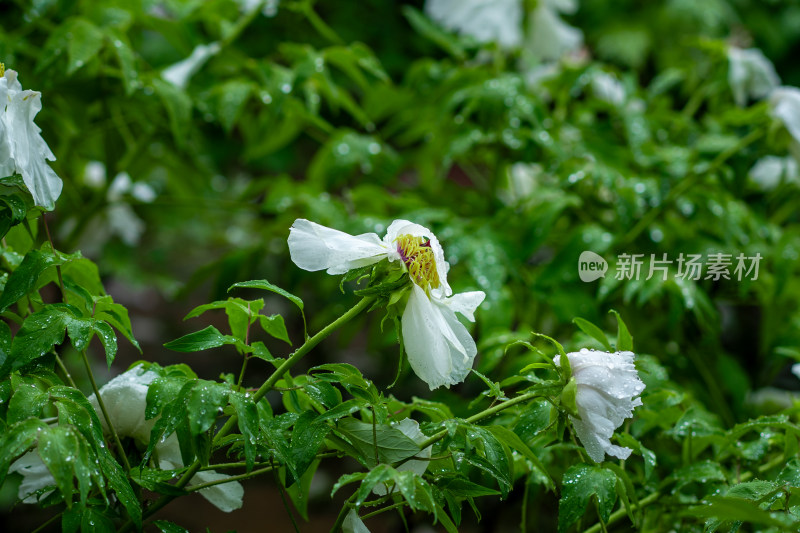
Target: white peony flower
x=549, y=37
x=181, y=72
x=796, y=370
x=439, y=347
x=410, y=429
x=785, y=103
x=606, y=386
x=125, y=398
x=353, y=523
x=769, y=171
x=750, y=74
x=497, y=21
x=22, y=149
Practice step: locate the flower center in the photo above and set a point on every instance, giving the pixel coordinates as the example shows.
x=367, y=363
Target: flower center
x=2, y=70
x=417, y=255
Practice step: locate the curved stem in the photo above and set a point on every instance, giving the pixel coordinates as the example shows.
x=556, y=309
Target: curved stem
x=337, y=526
x=102, y=405
x=492, y=411
x=383, y=510
x=229, y=479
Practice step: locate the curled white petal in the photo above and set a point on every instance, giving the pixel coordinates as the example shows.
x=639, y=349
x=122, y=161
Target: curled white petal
x=607, y=389
x=315, y=247
x=785, y=103
x=485, y=20
x=125, y=399
x=440, y=349
x=181, y=72
x=353, y=523
x=22, y=149
x=410, y=429
x=750, y=74
x=404, y=227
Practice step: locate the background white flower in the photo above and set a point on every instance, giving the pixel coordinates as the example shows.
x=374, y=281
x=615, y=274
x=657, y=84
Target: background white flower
x=769, y=171
x=750, y=74
x=497, y=21
x=606, y=386
x=785, y=103
x=181, y=72
x=125, y=398
x=353, y=523
x=549, y=37
x=608, y=88
x=22, y=149
x=440, y=349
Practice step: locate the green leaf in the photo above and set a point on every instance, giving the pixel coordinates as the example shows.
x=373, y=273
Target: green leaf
x=428, y=29
x=267, y=286
x=204, y=339
x=464, y=488
x=57, y=449
x=127, y=60
x=512, y=440
x=205, y=402
x=27, y=401
x=85, y=41
x=579, y=484
x=169, y=527
x=39, y=333
x=115, y=315
x=107, y=339
x=275, y=326
x=731, y=508
x=179, y=108
x=231, y=99
x=16, y=440
x=307, y=438
x=624, y=339
x=24, y=278
x=593, y=331
x=379, y=474
x=13, y=210
x=95, y=521
x=392, y=444
x=247, y=417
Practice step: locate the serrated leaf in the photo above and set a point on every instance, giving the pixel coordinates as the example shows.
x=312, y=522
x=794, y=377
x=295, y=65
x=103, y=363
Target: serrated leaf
x=27, y=401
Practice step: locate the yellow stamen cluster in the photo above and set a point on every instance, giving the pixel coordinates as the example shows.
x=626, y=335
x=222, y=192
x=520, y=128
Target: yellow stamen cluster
x=2, y=70
x=418, y=258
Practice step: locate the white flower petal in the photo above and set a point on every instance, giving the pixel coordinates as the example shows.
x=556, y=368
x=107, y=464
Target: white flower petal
x=466, y=303
x=226, y=497
x=315, y=247
x=125, y=398
x=440, y=349
x=608, y=88
x=786, y=107
x=750, y=74
x=485, y=20
x=22, y=149
x=403, y=227
x=181, y=72
x=607, y=386
x=35, y=476
x=353, y=524
x=796, y=369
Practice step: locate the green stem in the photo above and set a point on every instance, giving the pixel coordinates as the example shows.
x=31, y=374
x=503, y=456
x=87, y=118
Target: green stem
x=49, y=521
x=491, y=411
x=337, y=526
x=619, y=513
x=383, y=510
x=63, y=368
x=320, y=25
x=102, y=405
x=266, y=387
x=239, y=477
x=55, y=253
